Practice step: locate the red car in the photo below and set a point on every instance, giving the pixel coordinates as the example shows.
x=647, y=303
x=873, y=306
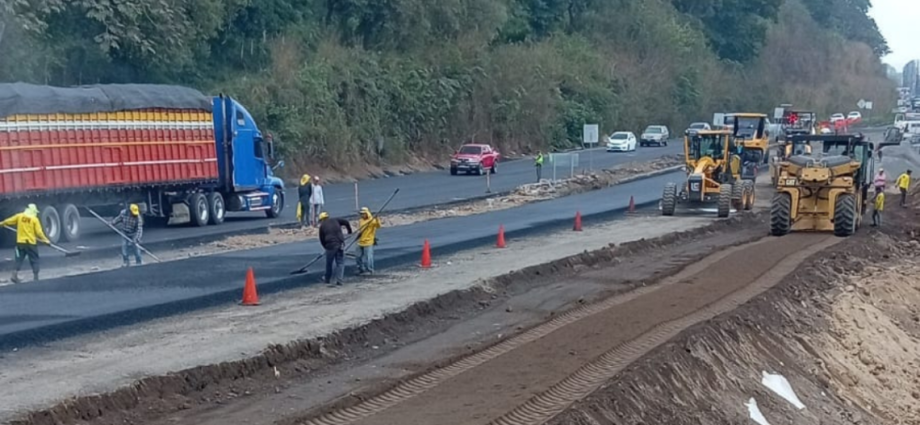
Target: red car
x=474, y=159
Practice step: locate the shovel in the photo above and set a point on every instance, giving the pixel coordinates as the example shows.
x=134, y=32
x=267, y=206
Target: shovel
x=55, y=247
x=123, y=235
x=355, y=235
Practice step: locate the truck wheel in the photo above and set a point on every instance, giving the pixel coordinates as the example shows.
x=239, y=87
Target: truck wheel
x=51, y=223
x=669, y=199
x=781, y=214
x=725, y=200
x=277, y=204
x=494, y=169
x=845, y=215
x=217, y=207
x=198, y=208
x=482, y=170
x=453, y=171
x=71, y=223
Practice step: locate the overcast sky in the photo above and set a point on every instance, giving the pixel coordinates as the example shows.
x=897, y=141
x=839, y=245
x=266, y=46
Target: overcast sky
x=899, y=21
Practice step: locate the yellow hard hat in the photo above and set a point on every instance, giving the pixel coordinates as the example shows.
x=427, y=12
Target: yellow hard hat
x=323, y=215
x=365, y=210
x=135, y=210
x=305, y=179
x=31, y=210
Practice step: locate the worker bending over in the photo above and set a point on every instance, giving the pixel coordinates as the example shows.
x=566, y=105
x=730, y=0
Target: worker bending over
x=131, y=224
x=28, y=233
x=333, y=241
x=367, y=239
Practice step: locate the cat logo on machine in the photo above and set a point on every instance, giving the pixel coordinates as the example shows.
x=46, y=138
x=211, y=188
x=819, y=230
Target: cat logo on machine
x=695, y=187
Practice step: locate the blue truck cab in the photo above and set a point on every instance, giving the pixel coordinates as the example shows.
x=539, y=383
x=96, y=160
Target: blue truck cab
x=244, y=160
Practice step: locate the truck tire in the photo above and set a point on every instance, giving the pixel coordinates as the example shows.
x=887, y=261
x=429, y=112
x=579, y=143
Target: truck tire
x=51, y=223
x=198, y=209
x=669, y=200
x=277, y=204
x=217, y=208
x=453, y=171
x=781, y=214
x=70, y=220
x=494, y=169
x=845, y=215
x=725, y=200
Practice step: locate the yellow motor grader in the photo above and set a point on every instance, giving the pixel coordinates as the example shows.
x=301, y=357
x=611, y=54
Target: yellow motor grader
x=713, y=175
x=825, y=191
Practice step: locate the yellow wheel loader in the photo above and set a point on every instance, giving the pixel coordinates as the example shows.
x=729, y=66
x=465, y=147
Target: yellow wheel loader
x=713, y=175
x=824, y=192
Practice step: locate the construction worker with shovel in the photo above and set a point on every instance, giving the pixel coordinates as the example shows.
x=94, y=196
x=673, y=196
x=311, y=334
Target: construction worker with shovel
x=367, y=239
x=131, y=224
x=28, y=233
x=333, y=242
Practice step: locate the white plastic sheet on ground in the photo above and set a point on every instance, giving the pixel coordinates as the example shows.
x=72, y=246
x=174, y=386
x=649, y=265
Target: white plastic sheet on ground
x=779, y=385
x=756, y=416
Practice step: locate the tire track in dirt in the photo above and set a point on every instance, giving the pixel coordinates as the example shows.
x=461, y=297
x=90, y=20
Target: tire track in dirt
x=534, y=376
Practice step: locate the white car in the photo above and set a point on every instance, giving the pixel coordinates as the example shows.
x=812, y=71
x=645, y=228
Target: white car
x=657, y=134
x=621, y=141
x=697, y=127
x=837, y=117
x=855, y=115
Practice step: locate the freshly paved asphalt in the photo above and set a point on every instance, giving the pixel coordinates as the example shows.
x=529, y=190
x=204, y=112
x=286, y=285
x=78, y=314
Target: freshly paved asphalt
x=52, y=309
x=416, y=190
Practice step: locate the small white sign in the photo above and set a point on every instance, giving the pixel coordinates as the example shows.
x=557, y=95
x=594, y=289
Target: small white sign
x=861, y=104
x=591, y=132
x=869, y=105
x=778, y=113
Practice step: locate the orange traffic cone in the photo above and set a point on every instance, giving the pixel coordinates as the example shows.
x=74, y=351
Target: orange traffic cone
x=577, y=227
x=632, y=205
x=501, y=237
x=250, y=297
x=426, y=255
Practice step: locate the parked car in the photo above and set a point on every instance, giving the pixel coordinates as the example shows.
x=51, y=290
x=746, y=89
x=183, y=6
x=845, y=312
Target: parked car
x=697, y=127
x=854, y=116
x=657, y=134
x=621, y=141
x=473, y=158
x=837, y=117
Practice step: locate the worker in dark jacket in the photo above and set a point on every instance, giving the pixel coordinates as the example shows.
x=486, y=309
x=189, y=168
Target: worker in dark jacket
x=333, y=241
x=131, y=224
x=304, y=192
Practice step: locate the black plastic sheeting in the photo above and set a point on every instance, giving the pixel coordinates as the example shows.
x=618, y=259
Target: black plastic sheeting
x=22, y=98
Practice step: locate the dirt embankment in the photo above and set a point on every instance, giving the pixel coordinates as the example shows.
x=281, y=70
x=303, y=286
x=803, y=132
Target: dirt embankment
x=844, y=330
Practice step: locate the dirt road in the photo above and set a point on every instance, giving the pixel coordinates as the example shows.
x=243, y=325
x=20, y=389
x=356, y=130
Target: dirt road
x=535, y=375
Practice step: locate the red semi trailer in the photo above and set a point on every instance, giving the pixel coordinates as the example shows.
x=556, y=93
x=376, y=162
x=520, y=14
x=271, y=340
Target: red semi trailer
x=181, y=155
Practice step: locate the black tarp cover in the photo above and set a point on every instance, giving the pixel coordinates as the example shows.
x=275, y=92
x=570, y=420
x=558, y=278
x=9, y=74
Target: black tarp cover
x=22, y=98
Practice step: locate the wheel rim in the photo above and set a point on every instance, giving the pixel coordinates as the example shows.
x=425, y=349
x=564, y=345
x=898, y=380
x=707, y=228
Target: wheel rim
x=71, y=224
x=219, y=210
x=52, y=226
x=276, y=203
x=203, y=210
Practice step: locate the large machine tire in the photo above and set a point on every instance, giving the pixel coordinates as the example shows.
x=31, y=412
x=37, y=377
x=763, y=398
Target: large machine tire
x=70, y=222
x=726, y=192
x=845, y=215
x=781, y=214
x=669, y=199
x=198, y=209
x=750, y=195
x=51, y=223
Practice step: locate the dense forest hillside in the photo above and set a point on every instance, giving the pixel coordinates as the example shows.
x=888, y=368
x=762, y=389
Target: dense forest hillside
x=351, y=83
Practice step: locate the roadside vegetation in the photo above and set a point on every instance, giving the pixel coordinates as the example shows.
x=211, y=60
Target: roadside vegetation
x=349, y=84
